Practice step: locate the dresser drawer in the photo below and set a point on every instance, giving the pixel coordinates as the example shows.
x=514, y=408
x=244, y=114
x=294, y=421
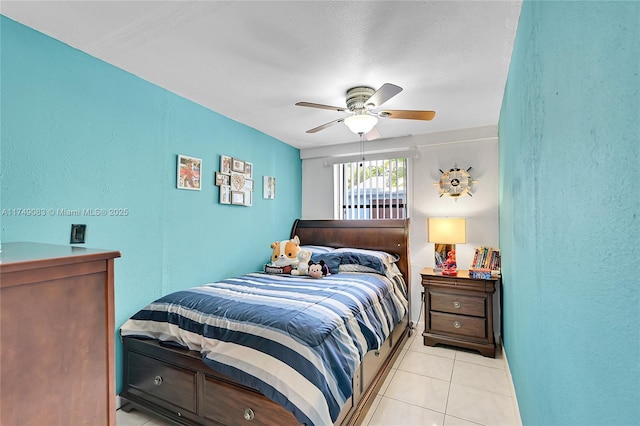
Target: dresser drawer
x=458, y=304
x=458, y=324
x=163, y=381
x=225, y=404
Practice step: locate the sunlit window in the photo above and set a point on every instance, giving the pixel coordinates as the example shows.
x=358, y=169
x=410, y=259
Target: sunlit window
x=372, y=189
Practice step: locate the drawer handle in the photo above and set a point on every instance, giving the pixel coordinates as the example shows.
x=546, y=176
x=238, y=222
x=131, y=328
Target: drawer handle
x=457, y=304
x=457, y=324
x=158, y=380
x=248, y=414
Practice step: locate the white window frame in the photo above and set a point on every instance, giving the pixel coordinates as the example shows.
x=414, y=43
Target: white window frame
x=371, y=207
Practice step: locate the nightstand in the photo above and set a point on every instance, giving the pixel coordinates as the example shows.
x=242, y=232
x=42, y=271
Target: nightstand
x=459, y=311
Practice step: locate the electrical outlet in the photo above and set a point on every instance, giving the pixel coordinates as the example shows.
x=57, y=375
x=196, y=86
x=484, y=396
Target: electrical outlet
x=78, y=234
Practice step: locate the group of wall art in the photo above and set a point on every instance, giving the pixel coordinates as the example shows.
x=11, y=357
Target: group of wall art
x=235, y=179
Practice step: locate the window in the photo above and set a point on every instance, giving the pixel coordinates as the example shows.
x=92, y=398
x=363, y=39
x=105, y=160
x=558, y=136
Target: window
x=372, y=189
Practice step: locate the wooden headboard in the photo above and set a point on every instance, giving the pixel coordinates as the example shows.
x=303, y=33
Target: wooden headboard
x=390, y=235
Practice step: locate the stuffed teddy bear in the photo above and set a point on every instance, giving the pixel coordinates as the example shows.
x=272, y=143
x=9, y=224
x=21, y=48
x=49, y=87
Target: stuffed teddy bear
x=285, y=253
x=304, y=256
x=318, y=270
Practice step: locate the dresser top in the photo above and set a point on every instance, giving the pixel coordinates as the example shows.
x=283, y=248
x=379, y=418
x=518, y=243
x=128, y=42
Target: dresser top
x=25, y=255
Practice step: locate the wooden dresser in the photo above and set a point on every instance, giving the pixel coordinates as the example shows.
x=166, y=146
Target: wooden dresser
x=459, y=311
x=56, y=335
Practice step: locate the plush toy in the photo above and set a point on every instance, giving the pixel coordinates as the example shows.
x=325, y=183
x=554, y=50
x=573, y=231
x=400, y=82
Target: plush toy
x=304, y=256
x=315, y=270
x=318, y=270
x=285, y=253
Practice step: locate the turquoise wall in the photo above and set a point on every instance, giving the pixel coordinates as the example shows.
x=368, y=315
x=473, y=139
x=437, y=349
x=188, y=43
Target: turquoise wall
x=78, y=133
x=570, y=213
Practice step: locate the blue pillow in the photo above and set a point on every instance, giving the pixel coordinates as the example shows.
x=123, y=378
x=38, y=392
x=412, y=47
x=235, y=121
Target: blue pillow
x=373, y=262
x=332, y=260
x=382, y=255
x=380, y=261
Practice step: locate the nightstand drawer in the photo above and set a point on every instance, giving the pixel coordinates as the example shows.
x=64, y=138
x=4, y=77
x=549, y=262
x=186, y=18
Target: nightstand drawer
x=458, y=324
x=458, y=304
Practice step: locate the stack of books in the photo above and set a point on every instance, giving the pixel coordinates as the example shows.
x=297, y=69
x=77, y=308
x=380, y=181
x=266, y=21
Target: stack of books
x=486, y=263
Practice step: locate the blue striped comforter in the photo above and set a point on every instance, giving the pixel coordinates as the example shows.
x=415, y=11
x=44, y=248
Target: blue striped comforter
x=295, y=339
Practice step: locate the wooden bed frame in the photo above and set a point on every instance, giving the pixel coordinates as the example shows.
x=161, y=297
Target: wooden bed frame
x=175, y=384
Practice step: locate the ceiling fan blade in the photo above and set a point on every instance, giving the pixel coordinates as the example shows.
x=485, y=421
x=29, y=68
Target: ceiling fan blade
x=408, y=114
x=321, y=106
x=372, y=135
x=382, y=95
x=324, y=126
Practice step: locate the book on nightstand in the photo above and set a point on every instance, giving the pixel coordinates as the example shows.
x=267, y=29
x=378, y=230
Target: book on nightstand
x=486, y=263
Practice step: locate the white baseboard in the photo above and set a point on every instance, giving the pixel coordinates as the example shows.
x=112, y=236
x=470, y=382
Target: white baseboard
x=118, y=402
x=516, y=408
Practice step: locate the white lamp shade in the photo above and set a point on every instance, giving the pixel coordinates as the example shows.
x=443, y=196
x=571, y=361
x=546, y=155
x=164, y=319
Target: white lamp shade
x=447, y=231
x=361, y=123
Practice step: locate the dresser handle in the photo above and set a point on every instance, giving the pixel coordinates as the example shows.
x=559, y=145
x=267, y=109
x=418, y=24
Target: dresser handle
x=457, y=324
x=158, y=380
x=248, y=414
x=456, y=304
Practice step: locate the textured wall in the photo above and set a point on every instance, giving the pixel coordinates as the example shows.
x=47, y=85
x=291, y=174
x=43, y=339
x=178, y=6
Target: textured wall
x=570, y=213
x=78, y=133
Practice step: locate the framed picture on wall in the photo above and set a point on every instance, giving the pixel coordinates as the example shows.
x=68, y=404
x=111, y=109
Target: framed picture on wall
x=225, y=164
x=237, y=166
x=225, y=194
x=237, y=197
x=237, y=181
x=222, y=179
x=248, y=198
x=248, y=170
x=269, y=187
x=188, y=176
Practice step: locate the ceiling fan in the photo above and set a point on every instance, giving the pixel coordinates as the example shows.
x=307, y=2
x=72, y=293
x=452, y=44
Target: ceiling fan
x=361, y=102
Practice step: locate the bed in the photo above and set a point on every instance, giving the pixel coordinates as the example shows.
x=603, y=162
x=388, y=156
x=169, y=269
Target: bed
x=276, y=349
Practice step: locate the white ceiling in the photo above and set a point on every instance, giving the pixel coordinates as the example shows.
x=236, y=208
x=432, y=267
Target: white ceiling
x=253, y=60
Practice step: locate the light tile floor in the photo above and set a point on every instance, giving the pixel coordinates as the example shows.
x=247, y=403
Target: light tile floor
x=430, y=386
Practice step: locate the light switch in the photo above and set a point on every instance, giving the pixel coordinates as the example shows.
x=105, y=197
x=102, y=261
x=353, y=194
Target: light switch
x=78, y=233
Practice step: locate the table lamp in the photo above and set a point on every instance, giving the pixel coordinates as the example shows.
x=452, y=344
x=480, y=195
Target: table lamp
x=445, y=234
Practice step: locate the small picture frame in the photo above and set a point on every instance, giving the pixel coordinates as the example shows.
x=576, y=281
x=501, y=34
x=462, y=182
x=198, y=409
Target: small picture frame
x=248, y=170
x=225, y=194
x=248, y=198
x=237, y=197
x=188, y=172
x=222, y=179
x=248, y=184
x=269, y=188
x=225, y=164
x=237, y=166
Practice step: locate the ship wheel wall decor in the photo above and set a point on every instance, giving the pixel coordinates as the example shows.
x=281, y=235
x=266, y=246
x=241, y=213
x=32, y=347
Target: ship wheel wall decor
x=455, y=182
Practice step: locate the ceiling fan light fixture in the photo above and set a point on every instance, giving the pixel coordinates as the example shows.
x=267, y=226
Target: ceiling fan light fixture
x=361, y=123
